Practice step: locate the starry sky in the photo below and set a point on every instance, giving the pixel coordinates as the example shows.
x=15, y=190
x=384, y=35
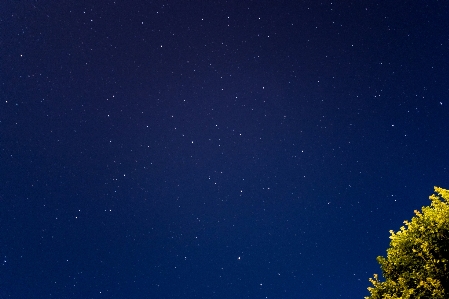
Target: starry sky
x=214, y=149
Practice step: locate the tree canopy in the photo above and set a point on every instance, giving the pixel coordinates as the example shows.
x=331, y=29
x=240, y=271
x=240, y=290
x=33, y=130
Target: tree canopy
x=417, y=262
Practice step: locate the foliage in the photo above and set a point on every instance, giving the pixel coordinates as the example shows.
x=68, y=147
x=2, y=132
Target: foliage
x=417, y=262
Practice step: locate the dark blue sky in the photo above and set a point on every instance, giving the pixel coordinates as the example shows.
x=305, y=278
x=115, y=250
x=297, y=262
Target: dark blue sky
x=214, y=149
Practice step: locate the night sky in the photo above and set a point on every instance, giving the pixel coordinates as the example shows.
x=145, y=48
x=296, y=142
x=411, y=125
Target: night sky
x=214, y=149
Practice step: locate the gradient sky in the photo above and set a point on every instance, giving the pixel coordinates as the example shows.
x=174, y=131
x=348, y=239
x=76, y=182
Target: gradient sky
x=214, y=149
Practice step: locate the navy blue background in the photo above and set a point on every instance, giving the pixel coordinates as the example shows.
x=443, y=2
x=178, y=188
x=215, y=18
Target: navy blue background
x=214, y=149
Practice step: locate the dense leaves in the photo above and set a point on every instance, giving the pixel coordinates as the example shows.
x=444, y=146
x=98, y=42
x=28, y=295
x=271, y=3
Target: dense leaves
x=417, y=262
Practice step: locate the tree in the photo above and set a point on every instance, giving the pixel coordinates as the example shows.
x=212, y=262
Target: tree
x=417, y=262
